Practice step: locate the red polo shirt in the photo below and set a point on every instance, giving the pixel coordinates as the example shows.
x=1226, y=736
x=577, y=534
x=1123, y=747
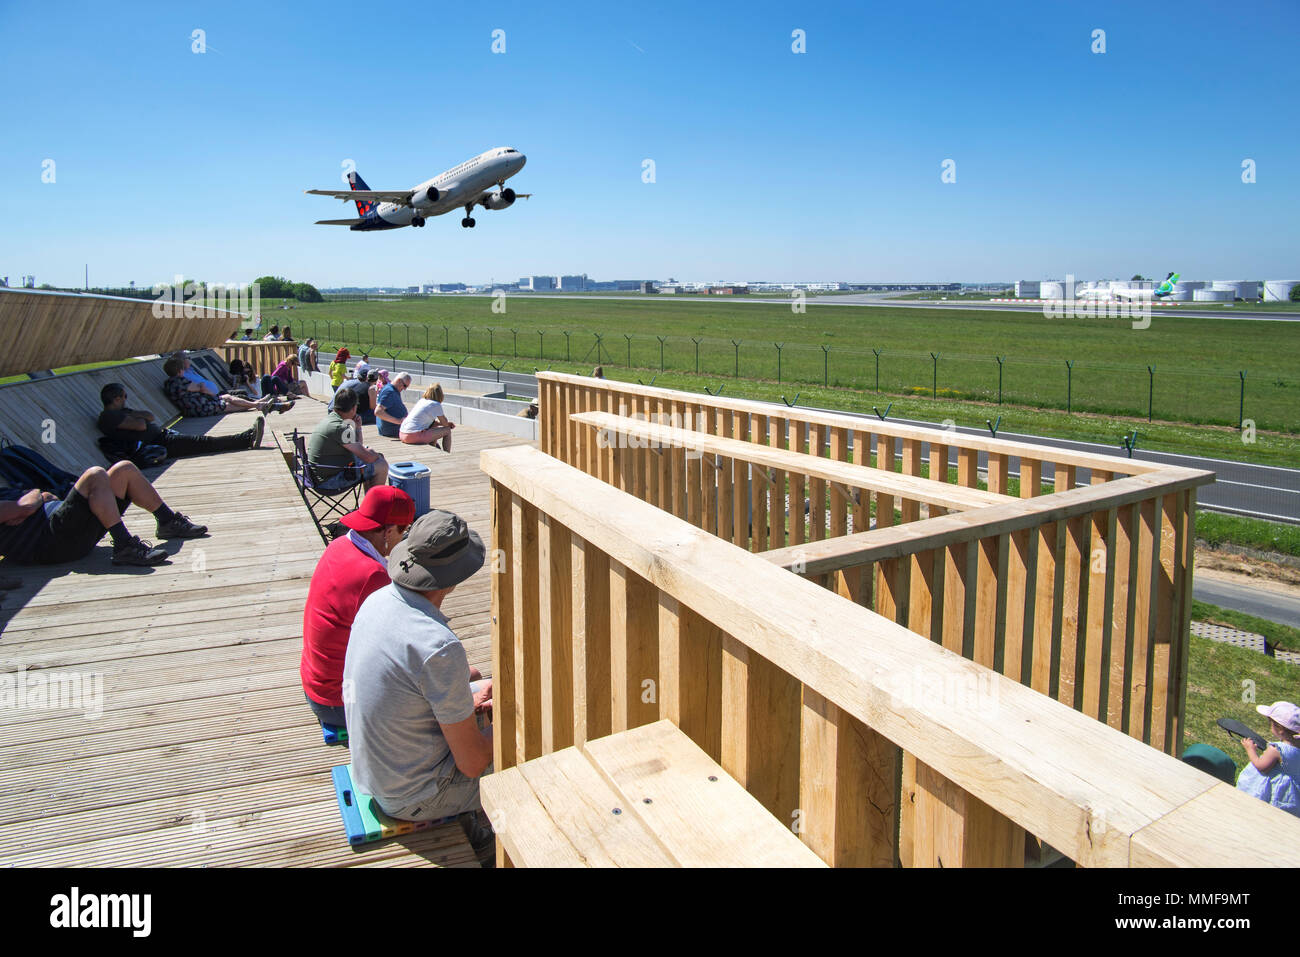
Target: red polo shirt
x=344, y=577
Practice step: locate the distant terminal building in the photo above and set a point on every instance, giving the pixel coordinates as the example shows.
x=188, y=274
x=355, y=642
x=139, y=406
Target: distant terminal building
x=573, y=283
x=541, y=283
x=1028, y=289
x=728, y=290
x=451, y=287
x=648, y=288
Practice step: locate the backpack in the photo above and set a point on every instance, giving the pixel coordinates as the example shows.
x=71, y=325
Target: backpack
x=21, y=466
x=145, y=456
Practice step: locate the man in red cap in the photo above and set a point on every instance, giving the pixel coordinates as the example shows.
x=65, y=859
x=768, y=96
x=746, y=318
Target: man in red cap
x=353, y=566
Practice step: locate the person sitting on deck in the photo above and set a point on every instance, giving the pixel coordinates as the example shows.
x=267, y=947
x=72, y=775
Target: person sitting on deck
x=191, y=373
x=390, y=410
x=36, y=528
x=287, y=373
x=335, y=450
x=427, y=423
x=119, y=421
x=360, y=387
x=1274, y=775
x=244, y=383
x=195, y=401
x=353, y=566
x=339, y=367
x=273, y=335
x=412, y=711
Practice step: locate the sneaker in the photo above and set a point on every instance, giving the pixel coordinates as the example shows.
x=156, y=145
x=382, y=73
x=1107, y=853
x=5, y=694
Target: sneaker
x=181, y=527
x=256, y=432
x=138, y=552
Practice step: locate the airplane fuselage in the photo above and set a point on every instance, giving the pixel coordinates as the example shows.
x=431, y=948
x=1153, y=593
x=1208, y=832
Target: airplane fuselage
x=457, y=188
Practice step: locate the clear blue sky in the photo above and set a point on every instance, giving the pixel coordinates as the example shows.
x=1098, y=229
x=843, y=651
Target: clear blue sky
x=769, y=164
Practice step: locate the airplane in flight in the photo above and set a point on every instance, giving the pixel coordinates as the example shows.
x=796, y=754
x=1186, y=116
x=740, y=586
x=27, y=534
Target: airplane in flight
x=464, y=186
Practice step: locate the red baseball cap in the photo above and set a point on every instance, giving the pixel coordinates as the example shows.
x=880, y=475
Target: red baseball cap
x=383, y=505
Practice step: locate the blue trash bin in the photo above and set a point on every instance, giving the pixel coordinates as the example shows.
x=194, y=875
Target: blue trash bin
x=413, y=479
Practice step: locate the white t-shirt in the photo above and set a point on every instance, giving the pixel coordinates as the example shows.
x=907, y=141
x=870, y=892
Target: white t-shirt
x=423, y=416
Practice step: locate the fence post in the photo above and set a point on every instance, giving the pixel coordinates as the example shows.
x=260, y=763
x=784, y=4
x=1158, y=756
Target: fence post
x=515, y=333
x=446, y=339
x=629, y=349
x=999, y=358
x=421, y=358
x=934, y=385
x=491, y=342
x=1241, y=409
x=736, y=343
x=426, y=338
x=661, y=351
x=826, y=365
x=697, y=353
x=1151, y=390
x=498, y=368
x=877, y=352
x=1069, y=386
x=566, y=345
x=779, y=346
x=541, y=343
x=467, y=349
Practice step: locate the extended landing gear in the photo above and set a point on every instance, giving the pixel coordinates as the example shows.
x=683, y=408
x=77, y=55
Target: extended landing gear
x=468, y=221
x=417, y=222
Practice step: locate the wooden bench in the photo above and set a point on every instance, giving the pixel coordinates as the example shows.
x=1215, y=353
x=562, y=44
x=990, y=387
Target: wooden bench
x=648, y=797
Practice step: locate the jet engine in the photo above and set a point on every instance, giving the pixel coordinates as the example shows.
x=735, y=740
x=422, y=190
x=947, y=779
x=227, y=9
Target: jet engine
x=498, y=200
x=425, y=197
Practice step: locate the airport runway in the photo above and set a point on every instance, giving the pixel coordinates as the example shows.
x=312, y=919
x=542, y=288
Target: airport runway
x=876, y=299
x=1254, y=599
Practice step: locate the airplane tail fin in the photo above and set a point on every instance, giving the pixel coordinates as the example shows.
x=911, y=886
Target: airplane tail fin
x=355, y=181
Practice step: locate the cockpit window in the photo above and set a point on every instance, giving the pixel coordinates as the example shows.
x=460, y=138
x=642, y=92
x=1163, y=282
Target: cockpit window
x=511, y=151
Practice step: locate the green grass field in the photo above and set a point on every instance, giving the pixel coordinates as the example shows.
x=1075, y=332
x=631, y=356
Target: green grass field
x=1196, y=386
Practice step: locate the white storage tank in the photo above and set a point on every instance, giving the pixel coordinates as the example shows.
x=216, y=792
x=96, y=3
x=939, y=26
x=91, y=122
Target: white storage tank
x=1225, y=285
x=1214, y=295
x=1027, y=289
x=1279, y=290
x=1052, y=290
x=1179, y=295
x=1248, y=289
x=1190, y=285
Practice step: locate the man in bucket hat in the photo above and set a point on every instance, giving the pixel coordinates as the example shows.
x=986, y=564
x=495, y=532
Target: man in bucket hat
x=417, y=745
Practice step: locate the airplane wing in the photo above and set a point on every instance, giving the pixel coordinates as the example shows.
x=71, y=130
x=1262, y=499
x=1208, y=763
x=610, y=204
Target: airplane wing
x=339, y=222
x=400, y=196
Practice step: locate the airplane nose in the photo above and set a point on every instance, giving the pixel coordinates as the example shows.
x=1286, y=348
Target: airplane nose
x=522, y=160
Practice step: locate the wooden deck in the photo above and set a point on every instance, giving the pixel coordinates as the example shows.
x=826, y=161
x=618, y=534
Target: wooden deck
x=205, y=753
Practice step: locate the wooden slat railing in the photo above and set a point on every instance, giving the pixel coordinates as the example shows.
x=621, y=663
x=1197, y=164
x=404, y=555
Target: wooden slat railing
x=262, y=356
x=609, y=613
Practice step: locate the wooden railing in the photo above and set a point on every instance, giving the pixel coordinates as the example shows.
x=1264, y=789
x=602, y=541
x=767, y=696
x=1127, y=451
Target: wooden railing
x=609, y=613
x=1082, y=593
x=262, y=356
x=50, y=330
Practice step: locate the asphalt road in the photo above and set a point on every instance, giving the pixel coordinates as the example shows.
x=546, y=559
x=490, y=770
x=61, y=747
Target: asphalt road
x=1250, y=599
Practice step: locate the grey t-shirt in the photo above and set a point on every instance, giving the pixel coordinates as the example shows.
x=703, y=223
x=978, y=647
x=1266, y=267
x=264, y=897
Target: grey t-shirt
x=404, y=674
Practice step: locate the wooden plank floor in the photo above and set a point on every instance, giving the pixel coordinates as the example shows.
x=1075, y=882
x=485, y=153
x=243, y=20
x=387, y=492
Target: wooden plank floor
x=205, y=753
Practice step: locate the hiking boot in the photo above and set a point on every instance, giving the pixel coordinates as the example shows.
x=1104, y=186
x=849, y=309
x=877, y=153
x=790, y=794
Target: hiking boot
x=181, y=527
x=255, y=433
x=138, y=552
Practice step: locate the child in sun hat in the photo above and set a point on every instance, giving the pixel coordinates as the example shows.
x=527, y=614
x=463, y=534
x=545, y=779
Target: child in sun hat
x=1274, y=774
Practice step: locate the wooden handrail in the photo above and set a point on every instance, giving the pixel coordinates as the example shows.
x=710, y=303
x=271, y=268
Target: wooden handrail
x=1096, y=794
x=1109, y=463
x=862, y=548
x=851, y=475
